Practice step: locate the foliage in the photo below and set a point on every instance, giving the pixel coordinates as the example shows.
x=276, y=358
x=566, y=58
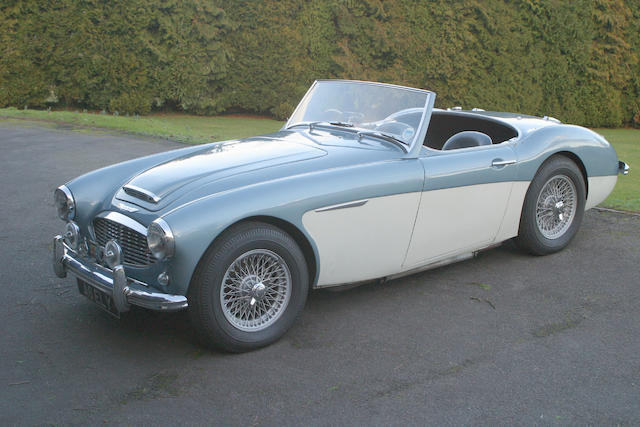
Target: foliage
x=626, y=194
x=578, y=61
x=175, y=126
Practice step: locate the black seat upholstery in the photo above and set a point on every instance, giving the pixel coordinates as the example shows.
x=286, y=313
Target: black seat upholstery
x=466, y=139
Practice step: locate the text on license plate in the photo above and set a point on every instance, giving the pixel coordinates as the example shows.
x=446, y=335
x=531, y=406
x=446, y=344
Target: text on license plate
x=102, y=299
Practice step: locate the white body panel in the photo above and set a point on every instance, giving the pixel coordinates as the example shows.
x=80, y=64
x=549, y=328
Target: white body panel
x=362, y=242
x=511, y=221
x=457, y=220
x=599, y=189
x=379, y=239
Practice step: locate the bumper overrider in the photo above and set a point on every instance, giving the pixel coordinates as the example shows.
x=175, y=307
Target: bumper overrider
x=114, y=282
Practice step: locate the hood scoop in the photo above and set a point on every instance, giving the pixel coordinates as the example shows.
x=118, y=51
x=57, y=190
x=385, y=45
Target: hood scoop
x=141, y=193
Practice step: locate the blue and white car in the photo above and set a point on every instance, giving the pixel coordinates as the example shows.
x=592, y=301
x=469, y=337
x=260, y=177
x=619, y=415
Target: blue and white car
x=365, y=181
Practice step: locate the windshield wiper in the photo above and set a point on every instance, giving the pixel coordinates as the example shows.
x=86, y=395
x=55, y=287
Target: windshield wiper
x=385, y=136
x=313, y=124
x=310, y=124
x=359, y=131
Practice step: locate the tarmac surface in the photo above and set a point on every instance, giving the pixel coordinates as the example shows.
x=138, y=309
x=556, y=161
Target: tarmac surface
x=504, y=338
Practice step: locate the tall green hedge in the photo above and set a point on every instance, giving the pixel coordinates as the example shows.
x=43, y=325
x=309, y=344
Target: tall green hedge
x=575, y=60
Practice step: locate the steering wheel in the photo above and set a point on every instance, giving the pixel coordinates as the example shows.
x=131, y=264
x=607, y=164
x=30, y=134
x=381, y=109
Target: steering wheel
x=401, y=129
x=343, y=116
x=333, y=111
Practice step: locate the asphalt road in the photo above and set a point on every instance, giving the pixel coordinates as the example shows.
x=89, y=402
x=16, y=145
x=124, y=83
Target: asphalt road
x=505, y=338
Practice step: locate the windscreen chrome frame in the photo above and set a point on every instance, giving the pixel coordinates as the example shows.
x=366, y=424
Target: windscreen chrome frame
x=413, y=148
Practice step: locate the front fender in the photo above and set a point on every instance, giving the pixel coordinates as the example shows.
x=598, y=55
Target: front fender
x=198, y=223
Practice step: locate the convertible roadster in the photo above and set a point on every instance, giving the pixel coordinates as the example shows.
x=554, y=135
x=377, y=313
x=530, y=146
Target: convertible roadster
x=365, y=181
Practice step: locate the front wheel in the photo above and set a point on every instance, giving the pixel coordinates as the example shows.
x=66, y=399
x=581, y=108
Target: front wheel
x=248, y=289
x=553, y=207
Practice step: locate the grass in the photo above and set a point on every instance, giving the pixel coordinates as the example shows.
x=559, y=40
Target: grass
x=626, y=195
x=199, y=129
x=178, y=127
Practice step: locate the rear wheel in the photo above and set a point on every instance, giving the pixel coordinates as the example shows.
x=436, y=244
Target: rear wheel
x=249, y=288
x=553, y=207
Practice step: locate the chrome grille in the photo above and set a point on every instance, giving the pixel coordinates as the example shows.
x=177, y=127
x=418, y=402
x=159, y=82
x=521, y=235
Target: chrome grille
x=134, y=246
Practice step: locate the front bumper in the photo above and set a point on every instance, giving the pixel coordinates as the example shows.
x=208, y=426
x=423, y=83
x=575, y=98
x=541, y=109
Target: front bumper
x=125, y=291
x=623, y=168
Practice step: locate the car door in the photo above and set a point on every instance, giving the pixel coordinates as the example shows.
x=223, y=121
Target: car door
x=364, y=234
x=463, y=202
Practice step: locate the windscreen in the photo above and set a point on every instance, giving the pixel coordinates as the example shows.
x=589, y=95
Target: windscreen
x=387, y=109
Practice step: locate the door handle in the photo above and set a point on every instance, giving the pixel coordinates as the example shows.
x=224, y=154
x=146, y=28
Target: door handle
x=500, y=162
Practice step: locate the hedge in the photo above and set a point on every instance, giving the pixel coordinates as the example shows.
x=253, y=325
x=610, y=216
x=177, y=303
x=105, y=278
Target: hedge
x=577, y=61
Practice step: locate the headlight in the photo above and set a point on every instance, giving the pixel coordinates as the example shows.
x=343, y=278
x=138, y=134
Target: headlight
x=160, y=239
x=64, y=202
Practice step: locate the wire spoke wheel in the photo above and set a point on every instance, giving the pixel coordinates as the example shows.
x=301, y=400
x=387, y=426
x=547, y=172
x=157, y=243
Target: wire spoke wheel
x=556, y=206
x=255, y=290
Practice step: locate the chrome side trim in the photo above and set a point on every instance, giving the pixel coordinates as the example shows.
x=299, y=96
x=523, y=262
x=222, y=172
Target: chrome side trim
x=125, y=291
x=623, y=168
x=353, y=204
x=151, y=197
x=124, y=220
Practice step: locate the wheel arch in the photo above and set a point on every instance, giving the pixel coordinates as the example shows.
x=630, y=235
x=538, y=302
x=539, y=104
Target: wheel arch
x=575, y=159
x=289, y=228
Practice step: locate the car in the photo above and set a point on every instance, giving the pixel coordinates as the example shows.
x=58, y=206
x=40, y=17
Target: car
x=365, y=181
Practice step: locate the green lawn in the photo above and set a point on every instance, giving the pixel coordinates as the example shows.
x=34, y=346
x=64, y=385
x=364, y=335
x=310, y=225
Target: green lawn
x=626, y=195
x=199, y=129
x=178, y=127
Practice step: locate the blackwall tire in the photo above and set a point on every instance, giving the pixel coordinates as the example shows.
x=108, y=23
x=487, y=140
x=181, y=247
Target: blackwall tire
x=248, y=289
x=553, y=207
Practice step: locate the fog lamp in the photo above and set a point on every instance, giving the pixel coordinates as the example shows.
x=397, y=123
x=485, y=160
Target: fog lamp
x=72, y=235
x=112, y=254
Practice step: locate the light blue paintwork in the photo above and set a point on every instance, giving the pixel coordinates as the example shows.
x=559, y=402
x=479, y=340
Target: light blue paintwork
x=206, y=189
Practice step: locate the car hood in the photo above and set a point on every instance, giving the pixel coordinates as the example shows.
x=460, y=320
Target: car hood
x=153, y=187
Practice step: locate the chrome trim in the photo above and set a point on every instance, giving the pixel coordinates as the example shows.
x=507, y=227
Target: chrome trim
x=113, y=254
x=126, y=207
x=71, y=203
x=152, y=197
x=125, y=291
x=498, y=162
x=169, y=239
x=623, y=168
x=551, y=119
x=353, y=204
x=124, y=220
x=72, y=235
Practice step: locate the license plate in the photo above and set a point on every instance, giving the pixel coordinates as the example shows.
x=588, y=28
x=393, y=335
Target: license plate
x=100, y=298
